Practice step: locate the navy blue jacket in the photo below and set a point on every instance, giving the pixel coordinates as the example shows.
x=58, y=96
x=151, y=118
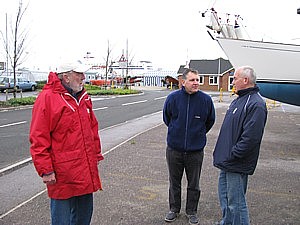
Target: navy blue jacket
x=188, y=117
x=237, y=147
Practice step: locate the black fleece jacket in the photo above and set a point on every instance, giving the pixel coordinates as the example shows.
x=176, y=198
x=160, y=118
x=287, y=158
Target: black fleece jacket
x=188, y=117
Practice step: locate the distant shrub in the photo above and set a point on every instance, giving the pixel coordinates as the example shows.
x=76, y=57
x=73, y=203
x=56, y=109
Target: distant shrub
x=117, y=91
x=91, y=90
x=96, y=90
x=40, y=84
x=21, y=101
x=91, y=87
x=18, y=102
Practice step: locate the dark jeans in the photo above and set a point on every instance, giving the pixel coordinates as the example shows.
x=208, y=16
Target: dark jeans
x=191, y=163
x=73, y=211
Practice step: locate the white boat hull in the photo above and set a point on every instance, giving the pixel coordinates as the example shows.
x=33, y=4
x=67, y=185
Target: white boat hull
x=276, y=66
x=272, y=61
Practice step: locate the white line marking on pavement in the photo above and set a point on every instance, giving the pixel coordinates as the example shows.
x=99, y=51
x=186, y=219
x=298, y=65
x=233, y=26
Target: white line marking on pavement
x=23, y=203
x=12, y=124
x=105, y=153
x=131, y=103
x=98, y=99
x=96, y=109
x=160, y=98
x=15, y=165
x=110, y=150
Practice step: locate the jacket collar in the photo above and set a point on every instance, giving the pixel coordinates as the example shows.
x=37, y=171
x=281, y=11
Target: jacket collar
x=71, y=92
x=184, y=91
x=247, y=91
x=54, y=83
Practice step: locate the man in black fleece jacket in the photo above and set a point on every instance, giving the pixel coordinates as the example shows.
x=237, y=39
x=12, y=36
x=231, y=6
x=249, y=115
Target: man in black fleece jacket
x=189, y=114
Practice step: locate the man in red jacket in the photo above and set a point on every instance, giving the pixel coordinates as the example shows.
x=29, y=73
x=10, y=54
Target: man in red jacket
x=65, y=145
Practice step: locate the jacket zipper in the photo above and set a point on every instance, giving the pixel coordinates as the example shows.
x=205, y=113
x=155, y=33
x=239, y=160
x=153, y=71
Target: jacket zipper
x=186, y=122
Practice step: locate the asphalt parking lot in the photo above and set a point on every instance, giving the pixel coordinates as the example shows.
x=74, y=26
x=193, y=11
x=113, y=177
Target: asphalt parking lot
x=135, y=179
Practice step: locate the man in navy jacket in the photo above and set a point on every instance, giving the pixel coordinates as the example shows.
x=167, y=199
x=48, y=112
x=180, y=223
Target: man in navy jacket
x=237, y=148
x=189, y=114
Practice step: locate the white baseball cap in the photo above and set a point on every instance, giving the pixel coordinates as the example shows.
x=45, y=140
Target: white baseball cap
x=76, y=66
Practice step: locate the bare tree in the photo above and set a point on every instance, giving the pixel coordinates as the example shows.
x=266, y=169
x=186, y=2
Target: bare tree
x=108, y=63
x=14, y=44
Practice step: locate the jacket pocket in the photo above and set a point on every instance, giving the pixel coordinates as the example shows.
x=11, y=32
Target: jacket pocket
x=68, y=167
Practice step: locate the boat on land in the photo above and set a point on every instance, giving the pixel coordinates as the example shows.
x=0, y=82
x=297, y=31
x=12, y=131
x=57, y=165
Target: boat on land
x=276, y=64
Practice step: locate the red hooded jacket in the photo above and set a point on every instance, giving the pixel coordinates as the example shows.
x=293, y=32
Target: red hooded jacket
x=64, y=139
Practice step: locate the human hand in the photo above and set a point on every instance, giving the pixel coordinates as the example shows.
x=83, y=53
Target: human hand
x=49, y=179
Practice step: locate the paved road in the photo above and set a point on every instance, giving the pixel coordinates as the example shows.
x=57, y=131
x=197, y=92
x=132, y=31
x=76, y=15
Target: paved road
x=135, y=178
x=20, y=185
x=110, y=110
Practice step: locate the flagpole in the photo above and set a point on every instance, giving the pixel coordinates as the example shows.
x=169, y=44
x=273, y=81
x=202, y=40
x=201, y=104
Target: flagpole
x=126, y=61
x=6, y=67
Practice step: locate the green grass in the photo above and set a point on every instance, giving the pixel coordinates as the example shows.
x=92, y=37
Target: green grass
x=109, y=91
x=18, y=102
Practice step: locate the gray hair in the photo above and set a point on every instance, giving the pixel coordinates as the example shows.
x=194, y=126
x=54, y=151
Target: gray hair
x=187, y=71
x=60, y=75
x=248, y=71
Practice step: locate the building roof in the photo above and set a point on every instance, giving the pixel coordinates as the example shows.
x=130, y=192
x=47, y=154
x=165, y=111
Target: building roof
x=181, y=69
x=215, y=66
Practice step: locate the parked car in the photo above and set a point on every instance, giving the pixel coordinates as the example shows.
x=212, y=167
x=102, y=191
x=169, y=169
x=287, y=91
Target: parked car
x=21, y=83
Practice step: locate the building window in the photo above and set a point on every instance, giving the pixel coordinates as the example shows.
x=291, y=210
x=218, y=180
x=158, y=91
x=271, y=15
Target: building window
x=230, y=85
x=201, y=81
x=213, y=80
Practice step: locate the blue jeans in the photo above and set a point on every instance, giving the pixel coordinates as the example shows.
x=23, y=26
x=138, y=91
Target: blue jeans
x=232, y=195
x=191, y=163
x=77, y=210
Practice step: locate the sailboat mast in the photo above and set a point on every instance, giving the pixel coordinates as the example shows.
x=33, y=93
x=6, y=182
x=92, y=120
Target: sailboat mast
x=127, y=59
x=6, y=67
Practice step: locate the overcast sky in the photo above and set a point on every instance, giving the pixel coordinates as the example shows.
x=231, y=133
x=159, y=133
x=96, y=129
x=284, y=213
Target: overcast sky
x=166, y=32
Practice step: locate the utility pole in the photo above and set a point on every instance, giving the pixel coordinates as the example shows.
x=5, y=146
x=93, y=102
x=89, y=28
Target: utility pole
x=6, y=67
x=126, y=63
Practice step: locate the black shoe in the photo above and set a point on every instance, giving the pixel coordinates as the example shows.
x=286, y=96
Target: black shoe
x=193, y=219
x=171, y=216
